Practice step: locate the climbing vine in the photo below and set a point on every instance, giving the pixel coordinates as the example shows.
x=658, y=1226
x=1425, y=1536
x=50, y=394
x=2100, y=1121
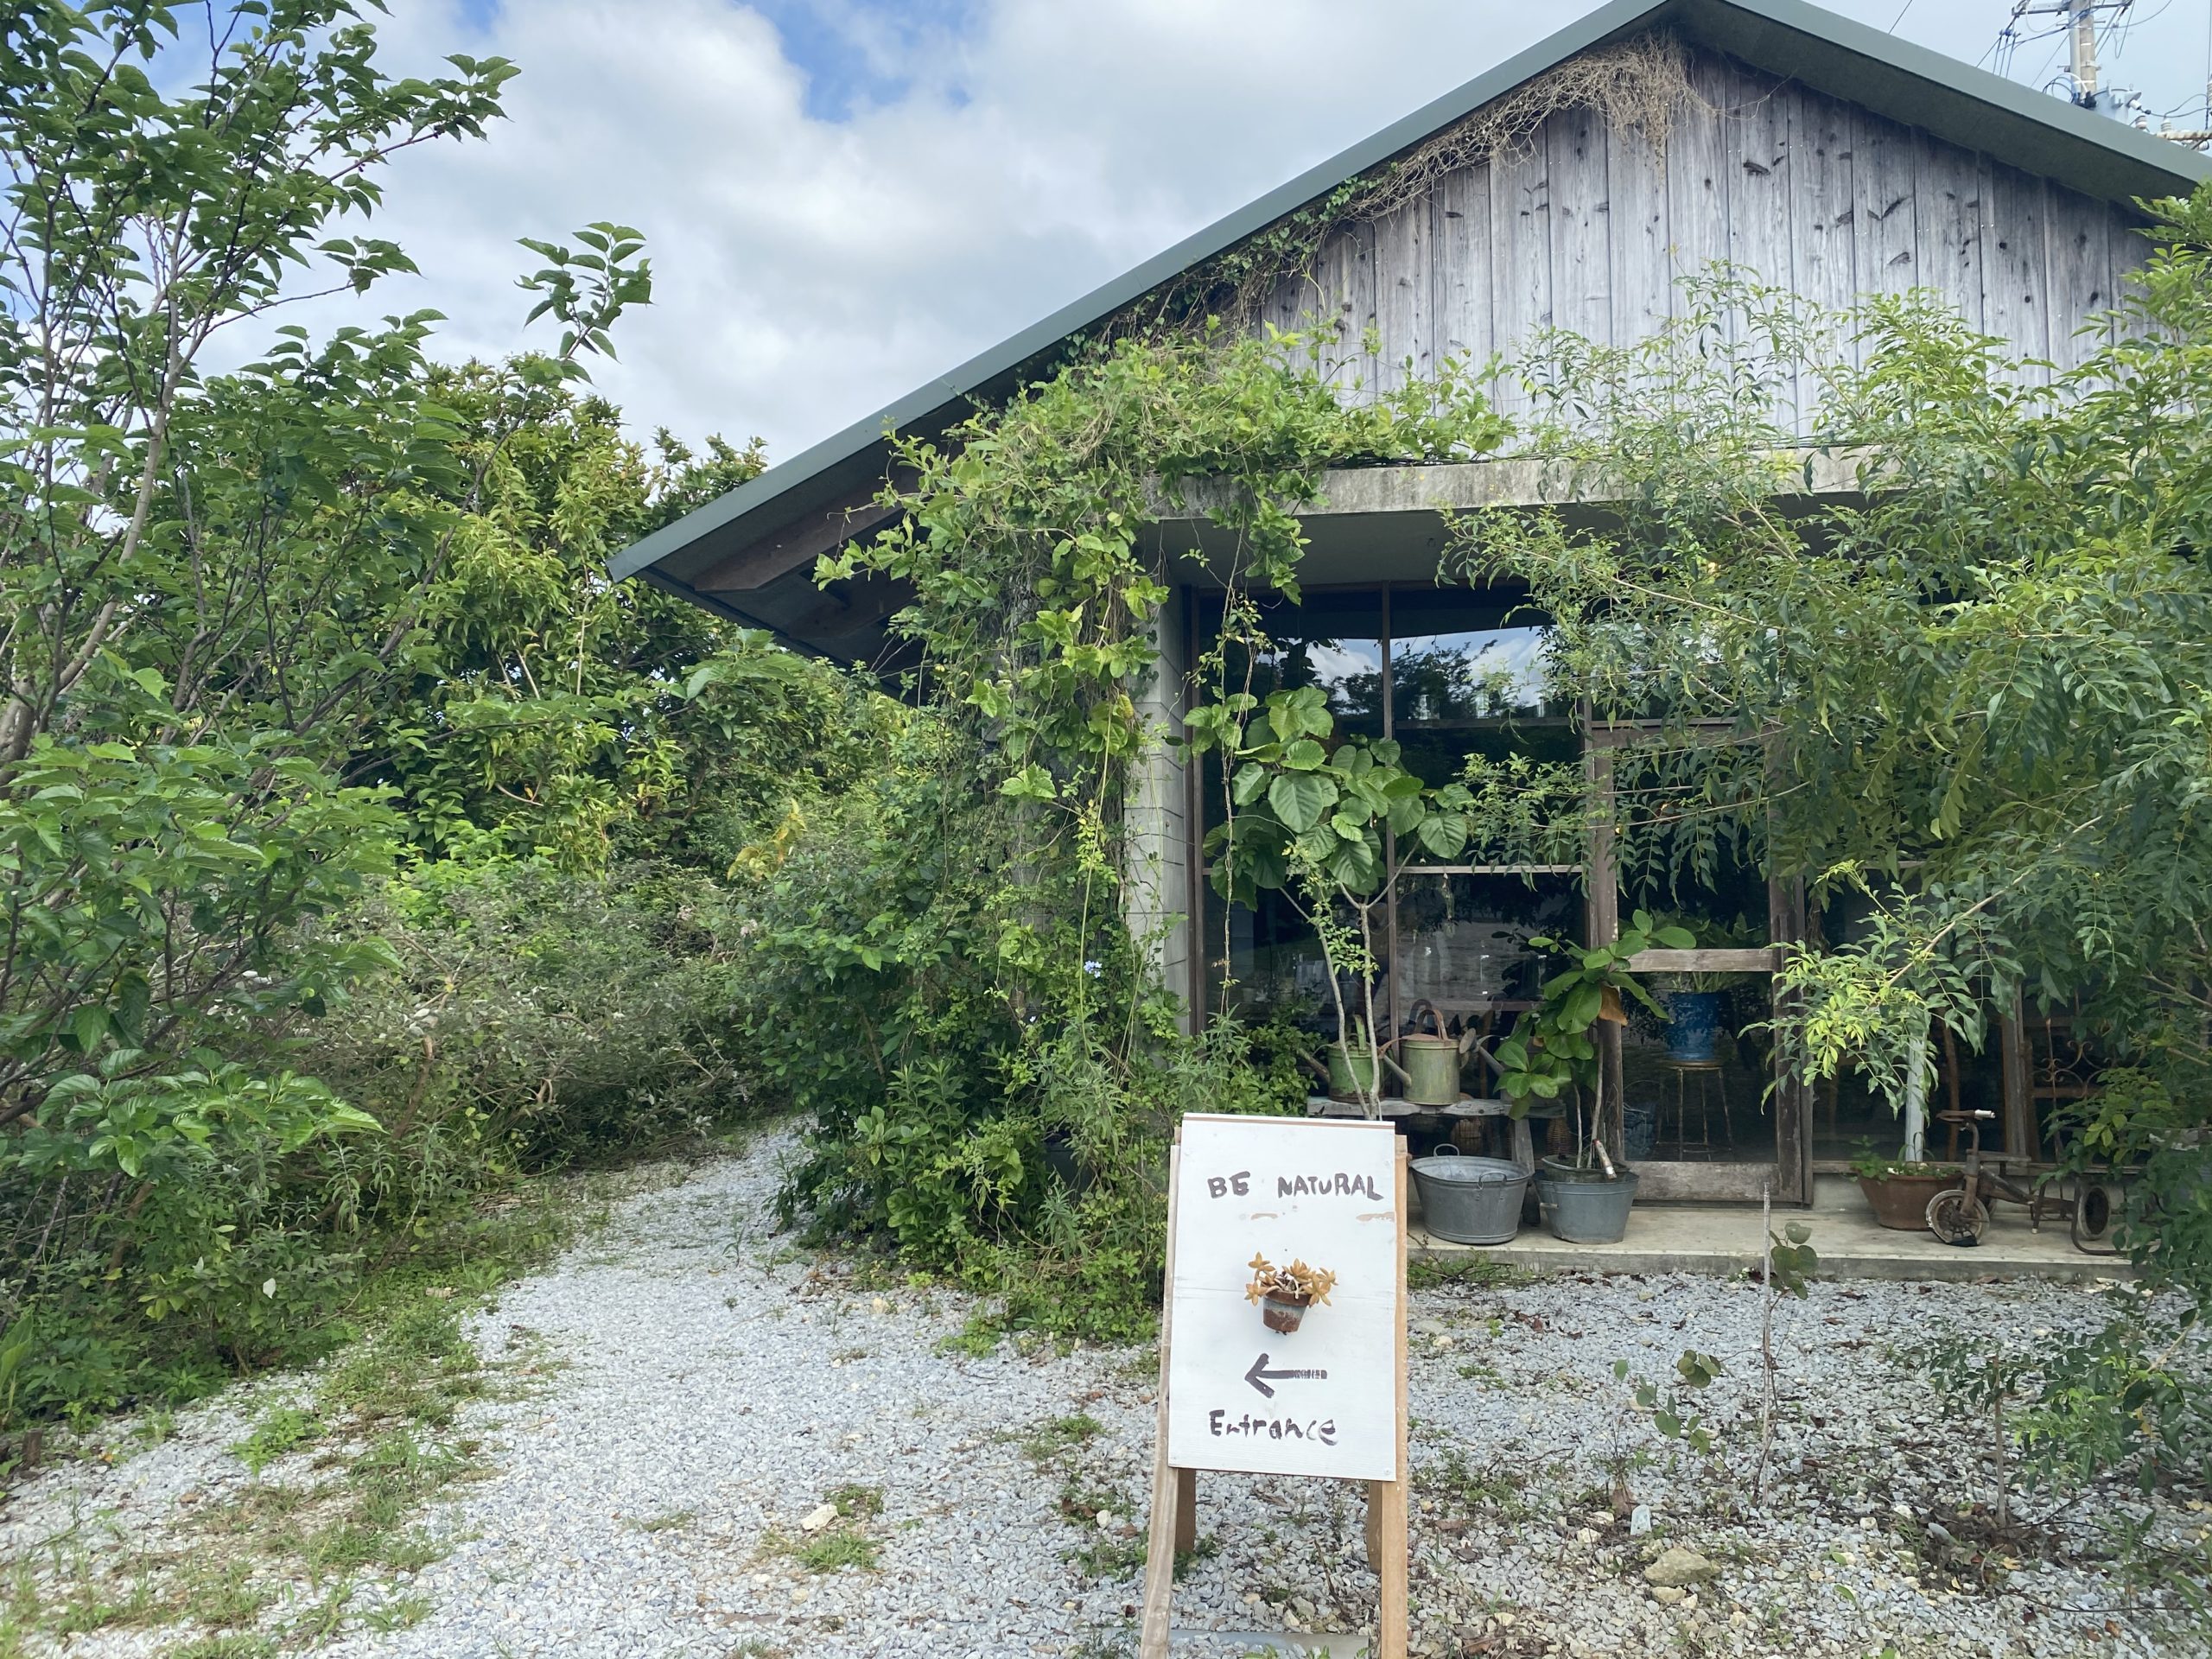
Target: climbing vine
x=1638, y=85
x=1036, y=1067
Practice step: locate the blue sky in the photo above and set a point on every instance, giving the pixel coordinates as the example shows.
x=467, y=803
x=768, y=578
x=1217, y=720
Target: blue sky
x=851, y=53
x=844, y=198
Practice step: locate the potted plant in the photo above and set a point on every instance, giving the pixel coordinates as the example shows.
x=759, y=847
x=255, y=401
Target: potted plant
x=1308, y=814
x=1692, y=998
x=1552, y=1053
x=1899, y=1191
x=1285, y=1293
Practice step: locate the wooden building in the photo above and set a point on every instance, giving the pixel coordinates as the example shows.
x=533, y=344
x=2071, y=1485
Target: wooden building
x=1574, y=187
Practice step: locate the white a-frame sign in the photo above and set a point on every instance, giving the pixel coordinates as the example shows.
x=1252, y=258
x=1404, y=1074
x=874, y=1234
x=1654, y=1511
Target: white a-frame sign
x=1327, y=1398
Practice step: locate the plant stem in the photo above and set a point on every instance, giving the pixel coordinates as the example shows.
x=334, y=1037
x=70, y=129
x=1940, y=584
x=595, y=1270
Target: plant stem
x=1766, y=1339
x=1996, y=1417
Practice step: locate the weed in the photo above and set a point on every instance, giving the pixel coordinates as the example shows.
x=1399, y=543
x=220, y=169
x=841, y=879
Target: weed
x=1203, y=1547
x=232, y=1645
x=1082, y=1505
x=401, y=1613
x=835, y=1549
x=89, y=1608
x=1059, y=1435
x=321, y=1621
x=855, y=1502
x=977, y=1339
x=1108, y=1558
x=1428, y=1271
x=418, y=1367
x=1139, y=1365
x=1496, y=1485
x=281, y=1429
x=674, y=1521
x=216, y=1594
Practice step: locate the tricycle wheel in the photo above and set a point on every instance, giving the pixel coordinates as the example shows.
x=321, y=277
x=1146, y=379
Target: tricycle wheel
x=1957, y=1216
x=2095, y=1212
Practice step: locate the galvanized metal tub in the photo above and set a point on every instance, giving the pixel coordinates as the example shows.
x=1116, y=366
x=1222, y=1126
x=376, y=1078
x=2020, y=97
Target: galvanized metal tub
x=1585, y=1207
x=1470, y=1200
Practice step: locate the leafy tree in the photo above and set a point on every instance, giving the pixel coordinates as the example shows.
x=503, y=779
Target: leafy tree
x=209, y=586
x=1976, y=695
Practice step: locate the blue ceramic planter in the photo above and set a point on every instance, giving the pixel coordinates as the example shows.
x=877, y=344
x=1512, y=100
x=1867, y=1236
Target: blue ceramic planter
x=1693, y=1017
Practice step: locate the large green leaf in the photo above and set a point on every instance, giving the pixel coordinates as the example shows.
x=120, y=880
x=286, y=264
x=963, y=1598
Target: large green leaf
x=1443, y=835
x=1301, y=798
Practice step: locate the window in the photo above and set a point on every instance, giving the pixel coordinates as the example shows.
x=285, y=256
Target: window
x=1448, y=673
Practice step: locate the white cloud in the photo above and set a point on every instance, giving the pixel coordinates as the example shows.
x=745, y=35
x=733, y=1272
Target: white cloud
x=809, y=272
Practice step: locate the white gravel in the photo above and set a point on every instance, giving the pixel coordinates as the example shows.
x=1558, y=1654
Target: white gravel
x=715, y=1385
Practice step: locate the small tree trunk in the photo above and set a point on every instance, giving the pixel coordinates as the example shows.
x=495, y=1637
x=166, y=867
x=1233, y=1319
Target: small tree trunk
x=1916, y=1098
x=1374, y=1101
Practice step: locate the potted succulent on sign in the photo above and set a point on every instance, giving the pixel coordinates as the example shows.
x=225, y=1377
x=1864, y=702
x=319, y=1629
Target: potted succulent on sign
x=1898, y=1191
x=1553, y=1051
x=1285, y=1293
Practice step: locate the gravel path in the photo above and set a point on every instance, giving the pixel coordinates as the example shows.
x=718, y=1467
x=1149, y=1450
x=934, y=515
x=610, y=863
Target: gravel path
x=715, y=1389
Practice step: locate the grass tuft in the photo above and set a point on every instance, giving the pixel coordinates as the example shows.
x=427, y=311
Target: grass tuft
x=854, y=1502
x=1057, y=1435
x=835, y=1549
x=282, y=1429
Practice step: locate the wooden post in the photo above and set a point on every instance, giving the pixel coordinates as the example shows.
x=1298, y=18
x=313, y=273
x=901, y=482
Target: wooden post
x=2020, y=1109
x=1159, y=1547
x=1386, y=1506
x=1792, y=1094
x=1386, y=1500
x=1186, y=1510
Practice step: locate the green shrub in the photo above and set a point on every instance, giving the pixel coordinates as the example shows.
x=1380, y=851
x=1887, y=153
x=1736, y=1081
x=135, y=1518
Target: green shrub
x=536, y=1016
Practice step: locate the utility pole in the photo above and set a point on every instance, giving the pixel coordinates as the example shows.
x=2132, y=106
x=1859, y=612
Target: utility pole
x=2079, y=18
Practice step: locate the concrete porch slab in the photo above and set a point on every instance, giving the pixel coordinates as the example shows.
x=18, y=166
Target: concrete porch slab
x=1725, y=1238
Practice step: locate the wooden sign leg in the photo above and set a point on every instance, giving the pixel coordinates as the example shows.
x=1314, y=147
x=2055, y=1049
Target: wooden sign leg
x=1387, y=1543
x=1386, y=1553
x=1166, y=1483
x=1186, y=1510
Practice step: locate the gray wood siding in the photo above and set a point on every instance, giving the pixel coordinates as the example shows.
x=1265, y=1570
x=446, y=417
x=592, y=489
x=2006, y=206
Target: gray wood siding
x=1590, y=230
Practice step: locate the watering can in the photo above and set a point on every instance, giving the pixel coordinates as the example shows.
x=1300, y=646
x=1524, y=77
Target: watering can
x=1351, y=1069
x=1432, y=1059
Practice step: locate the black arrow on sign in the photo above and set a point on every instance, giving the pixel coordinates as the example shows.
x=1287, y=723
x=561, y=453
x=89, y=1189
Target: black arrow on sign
x=1259, y=1370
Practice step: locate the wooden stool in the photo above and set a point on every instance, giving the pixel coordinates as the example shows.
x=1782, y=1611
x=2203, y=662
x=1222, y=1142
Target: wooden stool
x=1703, y=1071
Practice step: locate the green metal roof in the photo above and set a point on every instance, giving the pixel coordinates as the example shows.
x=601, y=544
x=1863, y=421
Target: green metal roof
x=1968, y=106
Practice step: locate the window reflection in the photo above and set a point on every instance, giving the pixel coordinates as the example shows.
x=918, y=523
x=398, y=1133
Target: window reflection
x=1272, y=953
x=1459, y=656
x=1332, y=641
x=1463, y=939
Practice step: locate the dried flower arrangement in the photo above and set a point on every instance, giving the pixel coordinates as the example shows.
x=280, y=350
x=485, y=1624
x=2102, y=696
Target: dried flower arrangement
x=1295, y=1283
x=1285, y=1293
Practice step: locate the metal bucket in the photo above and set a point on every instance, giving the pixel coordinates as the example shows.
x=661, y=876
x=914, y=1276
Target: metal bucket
x=1470, y=1200
x=1587, y=1211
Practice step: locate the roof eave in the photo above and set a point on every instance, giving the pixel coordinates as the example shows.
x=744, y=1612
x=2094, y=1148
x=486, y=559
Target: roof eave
x=1955, y=101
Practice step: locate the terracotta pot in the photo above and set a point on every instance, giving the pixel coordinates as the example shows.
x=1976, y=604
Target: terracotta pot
x=1901, y=1201
x=1283, y=1313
